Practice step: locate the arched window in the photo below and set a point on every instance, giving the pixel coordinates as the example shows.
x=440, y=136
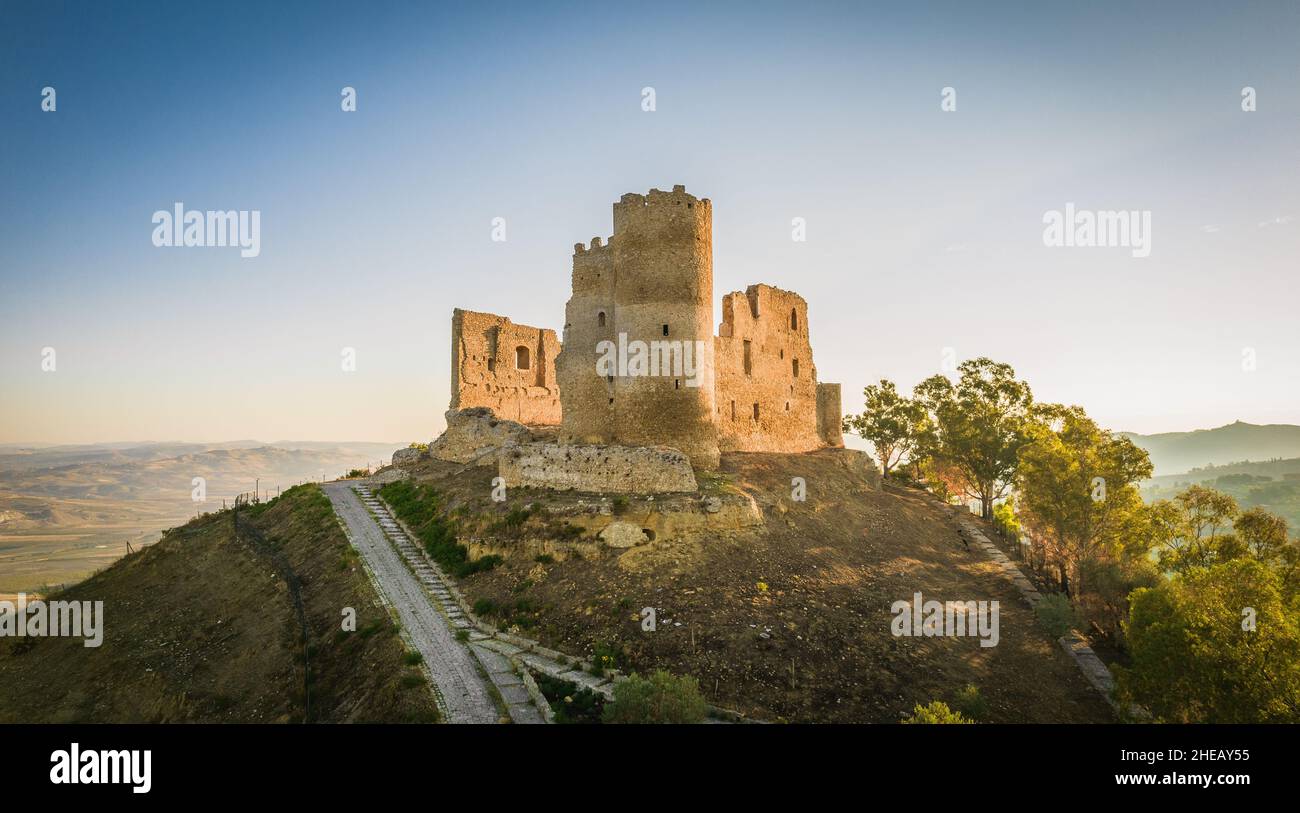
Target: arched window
x=521, y=358
x=600, y=319
x=794, y=318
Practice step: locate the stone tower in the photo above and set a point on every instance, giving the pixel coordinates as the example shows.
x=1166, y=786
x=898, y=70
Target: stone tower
x=653, y=283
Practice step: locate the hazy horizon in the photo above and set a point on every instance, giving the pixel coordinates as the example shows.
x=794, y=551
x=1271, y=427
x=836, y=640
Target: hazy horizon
x=924, y=228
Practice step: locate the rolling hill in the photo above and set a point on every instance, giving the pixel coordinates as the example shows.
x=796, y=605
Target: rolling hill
x=1178, y=452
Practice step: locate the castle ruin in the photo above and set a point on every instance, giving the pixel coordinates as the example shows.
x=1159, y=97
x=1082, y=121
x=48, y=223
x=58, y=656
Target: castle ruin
x=639, y=365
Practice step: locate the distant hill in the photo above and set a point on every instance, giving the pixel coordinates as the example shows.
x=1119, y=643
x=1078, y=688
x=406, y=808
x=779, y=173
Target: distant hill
x=66, y=511
x=209, y=624
x=1178, y=452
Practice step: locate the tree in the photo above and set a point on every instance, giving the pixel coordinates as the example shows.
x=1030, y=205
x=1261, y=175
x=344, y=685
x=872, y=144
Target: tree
x=980, y=425
x=1214, y=644
x=1195, y=529
x=1078, y=491
x=1264, y=534
x=893, y=424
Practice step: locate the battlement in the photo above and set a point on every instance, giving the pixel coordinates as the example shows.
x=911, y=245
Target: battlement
x=658, y=197
x=597, y=244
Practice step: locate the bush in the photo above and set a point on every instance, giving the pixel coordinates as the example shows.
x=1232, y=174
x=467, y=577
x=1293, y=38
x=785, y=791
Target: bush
x=485, y=606
x=936, y=713
x=970, y=703
x=661, y=698
x=569, y=702
x=1056, y=614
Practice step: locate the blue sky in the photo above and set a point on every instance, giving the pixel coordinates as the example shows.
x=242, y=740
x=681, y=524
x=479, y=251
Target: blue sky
x=924, y=227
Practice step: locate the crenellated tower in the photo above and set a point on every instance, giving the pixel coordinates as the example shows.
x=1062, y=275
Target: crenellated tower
x=652, y=282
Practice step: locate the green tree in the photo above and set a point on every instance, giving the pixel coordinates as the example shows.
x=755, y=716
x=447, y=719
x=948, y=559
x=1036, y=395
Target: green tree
x=893, y=424
x=1195, y=658
x=980, y=425
x=1195, y=529
x=1264, y=534
x=1078, y=488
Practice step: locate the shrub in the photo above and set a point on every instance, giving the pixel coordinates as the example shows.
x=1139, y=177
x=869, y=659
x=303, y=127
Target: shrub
x=970, y=703
x=412, y=658
x=485, y=606
x=545, y=559
x=569, y=702
x=661, y=698
x=936, y=713
x=1056, y=614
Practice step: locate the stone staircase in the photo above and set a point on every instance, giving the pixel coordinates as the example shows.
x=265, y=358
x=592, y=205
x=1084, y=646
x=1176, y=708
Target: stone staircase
x=505, y=658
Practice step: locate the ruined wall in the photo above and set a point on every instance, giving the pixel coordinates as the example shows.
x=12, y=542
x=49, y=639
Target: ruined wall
x=507, y=367
x=653, y=282
x=767, y=392
x=596, y=469
x=830, y=416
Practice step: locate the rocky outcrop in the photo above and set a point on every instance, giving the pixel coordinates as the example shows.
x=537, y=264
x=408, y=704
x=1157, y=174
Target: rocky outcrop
x=597, y=468
x=861, y=464
x=472, y=434
x=404, y=458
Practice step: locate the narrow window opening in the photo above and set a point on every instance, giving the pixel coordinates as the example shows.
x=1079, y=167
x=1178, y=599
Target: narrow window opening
x=521, y=358
x=748, y=358
x=787, y=406
x=794, y=319
x=492, y=365
x=733, y=410
x=794, y=368
x=600, y=319
x=755, y=411
x=665, y=330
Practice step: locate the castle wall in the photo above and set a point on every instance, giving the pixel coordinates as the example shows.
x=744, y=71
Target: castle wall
x=753, y=387
x=507, y=367
x=767, y=393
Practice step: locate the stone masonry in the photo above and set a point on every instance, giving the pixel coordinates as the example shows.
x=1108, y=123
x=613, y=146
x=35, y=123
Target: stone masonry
x=647, y=293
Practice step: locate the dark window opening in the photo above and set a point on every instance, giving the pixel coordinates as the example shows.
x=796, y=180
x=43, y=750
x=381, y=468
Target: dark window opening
x=748, y=358
x=794, y=368
x=794, y=319
x=665, y=330
x=733, y=410
x=521, y=358
x=787, y=406
x=677, y=383
x=600, y=319
x=492, y=365
x=755, y=411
